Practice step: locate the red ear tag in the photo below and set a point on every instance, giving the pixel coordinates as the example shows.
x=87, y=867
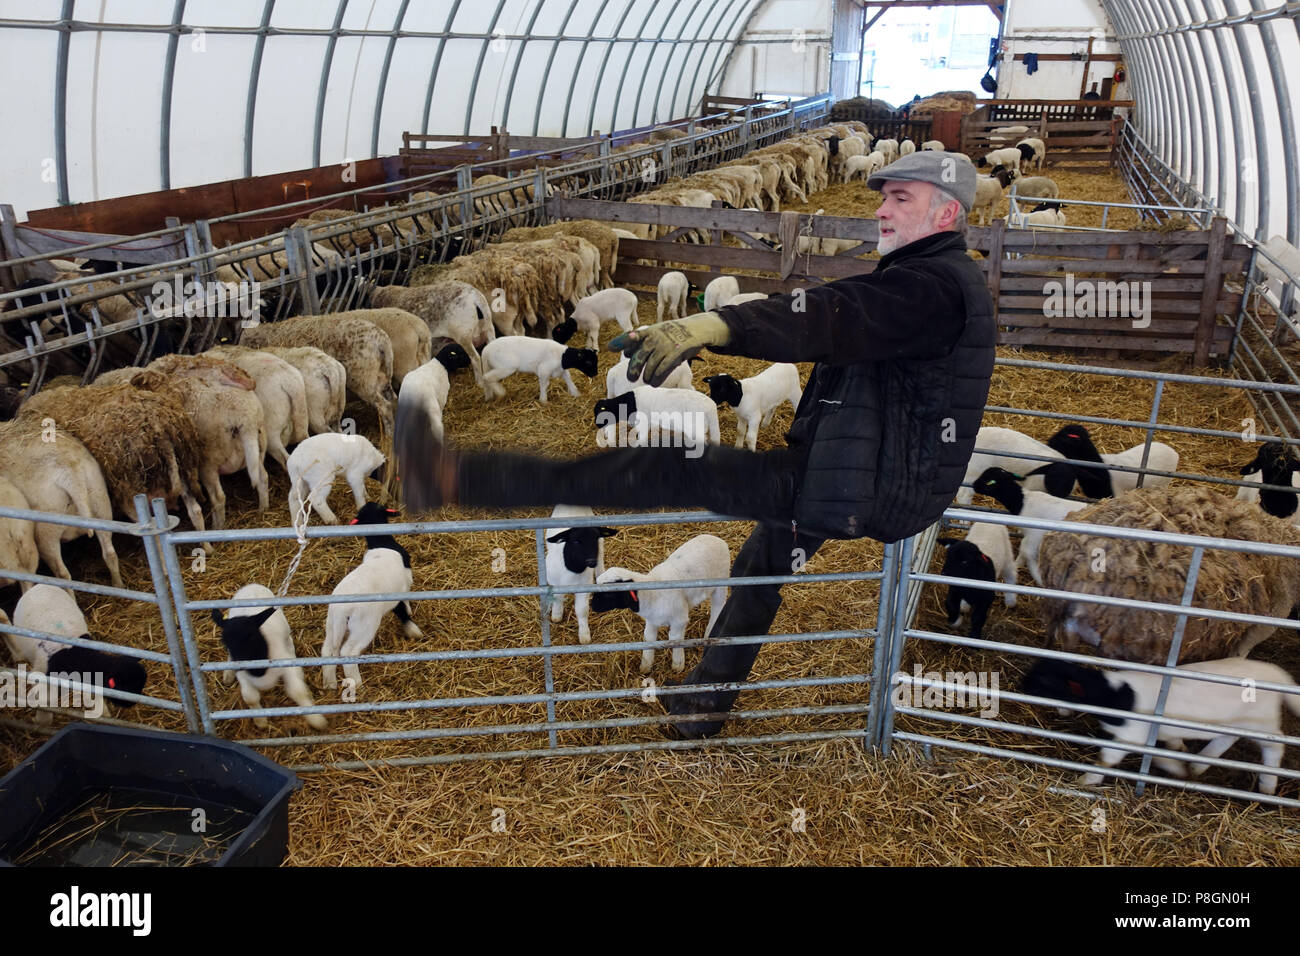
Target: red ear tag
x=391, y=512
x=112, y=683
x=986, y=559
x=1075, y=688
x=353, y=521
x=633, y=593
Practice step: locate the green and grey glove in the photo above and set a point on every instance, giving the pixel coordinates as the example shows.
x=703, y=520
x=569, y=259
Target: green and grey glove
x=653, y=351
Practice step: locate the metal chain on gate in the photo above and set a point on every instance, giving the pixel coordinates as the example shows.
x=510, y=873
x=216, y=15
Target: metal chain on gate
x=300, y=521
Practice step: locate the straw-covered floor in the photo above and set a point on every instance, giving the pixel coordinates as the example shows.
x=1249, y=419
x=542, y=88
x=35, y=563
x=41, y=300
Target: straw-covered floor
x=733, y=806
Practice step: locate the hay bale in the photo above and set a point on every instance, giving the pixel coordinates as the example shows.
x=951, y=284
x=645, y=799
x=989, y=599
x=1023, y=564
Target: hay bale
x=962, y=101
x=141, y=436
x=1095, y=564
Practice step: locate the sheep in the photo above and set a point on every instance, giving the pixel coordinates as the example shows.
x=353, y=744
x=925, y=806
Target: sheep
x=1005, y=448
x=617, y=305
x=575, y=556
x=1224, y=705
x=934, y=144
x=365, y=351
x=1008, y=157
x=647, y=408
x=409, y=334
x=52, y=610
x=1258, y=584
x=280, y=389
x=1273, y=464
x=428, y=386
x=703, y=557
x=1000, y=484
x=719, y=292
x=746, y=297
x=673, y=295
x=1073, y=441
x=316, y=462
x=351, y=628
x=142, y=439
x=756, y=398
x=888, y=148
x=451, y=308
x=1001, y=134
x=17, y=536
x=325, y=381
x=1044, y=214
x=988, y=191
x=1032, y=152
x=862, y=166
x=906, y=148
x=985, y=555
x=262, y=634
x=602, y=237
x=545, y=359
x=617, y=382
x=1036, y=187
x=58, y=477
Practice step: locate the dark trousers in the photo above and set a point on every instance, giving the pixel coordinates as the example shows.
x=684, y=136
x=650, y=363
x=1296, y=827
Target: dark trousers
x=730, y=481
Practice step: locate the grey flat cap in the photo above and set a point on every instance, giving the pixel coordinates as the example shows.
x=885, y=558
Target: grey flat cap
x=954, y=173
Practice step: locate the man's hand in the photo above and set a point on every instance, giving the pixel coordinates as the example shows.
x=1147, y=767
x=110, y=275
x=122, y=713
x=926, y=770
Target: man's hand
x=653, y=351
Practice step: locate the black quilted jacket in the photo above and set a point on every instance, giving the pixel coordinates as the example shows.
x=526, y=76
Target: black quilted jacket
x=904, y=357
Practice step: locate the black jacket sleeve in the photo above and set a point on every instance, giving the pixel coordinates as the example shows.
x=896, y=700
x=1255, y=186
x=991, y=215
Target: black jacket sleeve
x=910, y=310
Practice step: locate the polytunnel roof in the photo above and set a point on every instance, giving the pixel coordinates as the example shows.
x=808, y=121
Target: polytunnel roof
x=128, y=96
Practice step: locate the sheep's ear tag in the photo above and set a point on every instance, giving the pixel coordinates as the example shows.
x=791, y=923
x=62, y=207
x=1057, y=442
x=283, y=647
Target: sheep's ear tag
x=112, y=682
x=354, y=521
x=1017, y=477
x=634, y=597
x=986, y=559
x=390, y=512
x=1075, y=688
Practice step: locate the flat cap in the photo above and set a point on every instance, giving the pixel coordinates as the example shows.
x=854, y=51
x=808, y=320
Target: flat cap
x=954, y=173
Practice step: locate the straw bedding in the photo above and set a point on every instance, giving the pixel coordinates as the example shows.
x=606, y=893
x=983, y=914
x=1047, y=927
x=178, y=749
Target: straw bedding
x=727, y=806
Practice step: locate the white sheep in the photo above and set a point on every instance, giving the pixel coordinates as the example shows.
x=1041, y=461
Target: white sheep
x=719, y=292
x=617, y=382
x=607, y=305
x=428, y=386
x=1225, y=705
x=351, y=628
x=906, y=148
x=756, y=398
x=683, y=412
x=934, y=144
x=1005, y=446
x=1035, y=187
x=988, y=191
x=262, y=634
x=17, y=536
x=673, y=295
x=1032, y=152
x=862, y=166
x=1008, y=157
x=747, y=297
x=888, y=148
x=1039, y=217
x=703, y=557
x=575, y=556
x=544, y=358
x=1000, y=484
x=317, y=461
x=280, y=389
x=325, y=380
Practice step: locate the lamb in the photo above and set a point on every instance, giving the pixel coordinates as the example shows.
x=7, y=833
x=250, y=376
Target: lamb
x=719, y=292
x=58, y=477
x=756, y=398
x=575, y=556
x=617, y=382
x=351, y=628
x=906, y=148
x=1044, y=214
x=985, y=555
x=317, y=461
x=1009, y=157
x=646, y=408
x=262, y=634
x=934, y=144
x=703, y=557
x=1036, y=187
x=889, y=148
x=280, y=389
x=746, y=297
x=542, y=357
x=325, y=381
x=1273, y=464
x=428, y=386
x=1265, y=585
x=17, y=536
x=673, y=295
x=1073, y=441
x=1002, y=485
x=52, y=610
x=862, y=166
x=1005, y=448
x=365, y=351
x=616, y=305
x=988, y=191
x=1222, y=705
x=1032, y=152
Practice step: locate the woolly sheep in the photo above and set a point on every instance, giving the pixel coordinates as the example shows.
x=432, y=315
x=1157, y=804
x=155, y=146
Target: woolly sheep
x=934, y=144
x=575, y=556
x=409, y=334
x=542, y=357
x=17, y=536
x=280, y=389
x=1224, y=705
x=862, y=166
x=703, y=557
x=1036, y=187
x=719, y=292
x=1265, y=585
x=316, y=462
x=906, y=148
x=888, y=148
x=756, y=398
x=673, y=295
x=58, y=477
x=325, y=380
x=351, y=628
x=451, y=308
x=257, y=634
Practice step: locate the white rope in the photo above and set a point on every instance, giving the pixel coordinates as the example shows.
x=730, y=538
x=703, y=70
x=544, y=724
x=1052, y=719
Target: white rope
x=300, y=521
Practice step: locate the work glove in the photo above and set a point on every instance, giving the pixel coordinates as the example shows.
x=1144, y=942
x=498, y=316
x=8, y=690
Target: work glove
x=653, y=351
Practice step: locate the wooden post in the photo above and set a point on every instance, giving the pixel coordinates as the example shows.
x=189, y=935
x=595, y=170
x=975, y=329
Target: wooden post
x=996, y=235
x=788, y=234
x=1213, y=285
x=1087, y=62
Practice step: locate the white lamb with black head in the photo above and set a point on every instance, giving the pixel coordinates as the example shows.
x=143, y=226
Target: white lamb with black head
x=617, y=382
x=719, y=292
x=756, y=398
x=262, y=634
x=544, y=358
x=429, y=386
x=575, y=556
x=674, y=293
x=1002, y=485
x=51, y=610
x=607, y=305
x=316, y=462
x=647, y=409
x=704, y=557
x=984, y=555
x=351, y=628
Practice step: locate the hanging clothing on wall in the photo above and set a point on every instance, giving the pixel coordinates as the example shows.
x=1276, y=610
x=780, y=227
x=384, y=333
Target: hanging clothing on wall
x=1031, y=63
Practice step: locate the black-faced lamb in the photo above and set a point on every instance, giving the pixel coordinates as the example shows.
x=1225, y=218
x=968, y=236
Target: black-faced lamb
x=1273, y=464
x=704, y=557
x=262, y=634
x=617, y=382
x=984, y=555
x=1221, y=705
x=575, y=556
x=1073, y=441
x=1001, y=484
x=351, y=628
x=607, y=305
x=1005, y=448
x=544, y=358
x=756, y=398
x=719, y=292
x=647, y=408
